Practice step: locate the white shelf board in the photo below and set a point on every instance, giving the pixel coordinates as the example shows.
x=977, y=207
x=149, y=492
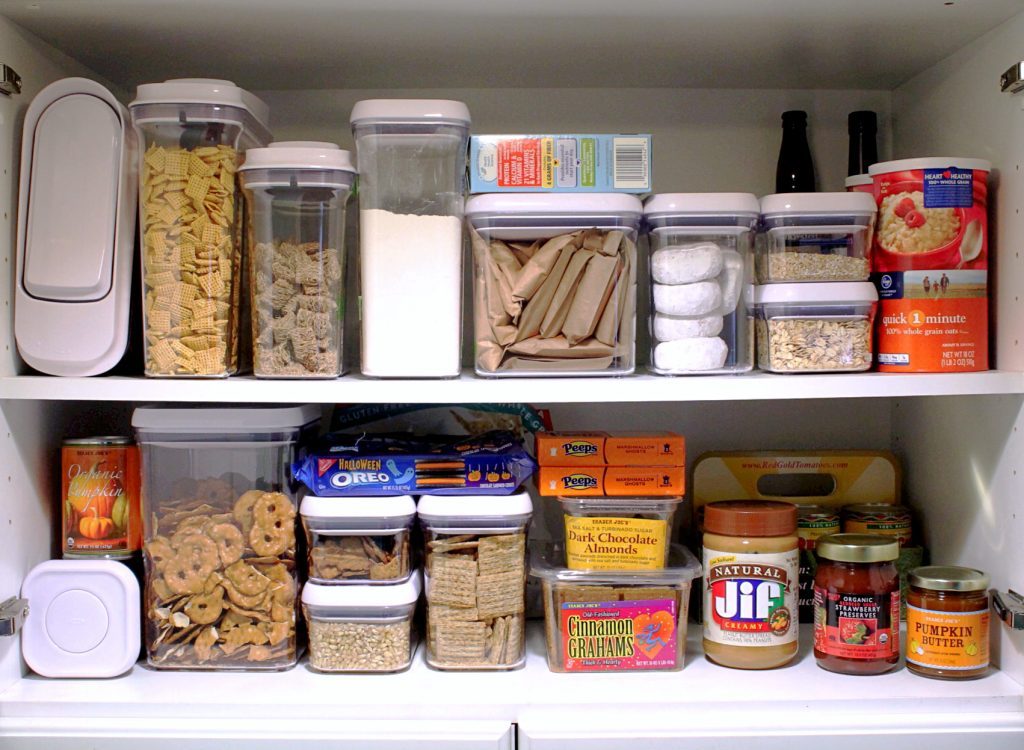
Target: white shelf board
x=470, y=389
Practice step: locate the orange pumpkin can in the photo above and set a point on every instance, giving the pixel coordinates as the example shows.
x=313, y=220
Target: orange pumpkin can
x=100, y=497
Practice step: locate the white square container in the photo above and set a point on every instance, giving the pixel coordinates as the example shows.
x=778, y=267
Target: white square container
x=815, y=327
x=358, y=540
x=814, y=237
x=701, y=276
x=618, y=533
x=361, y=628
x=554, y=283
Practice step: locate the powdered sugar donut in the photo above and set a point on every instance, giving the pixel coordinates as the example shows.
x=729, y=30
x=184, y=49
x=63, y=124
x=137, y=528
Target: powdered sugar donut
x=685, y=264
x=669, y=328
x=700, y=298
x=691, y=355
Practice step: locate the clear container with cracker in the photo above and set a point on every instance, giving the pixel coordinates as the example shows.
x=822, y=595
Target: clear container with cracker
x=219, y=547
x=358, y=540
x=475, y=579
x=194, y=132
x=615, y=621
x=618, y=533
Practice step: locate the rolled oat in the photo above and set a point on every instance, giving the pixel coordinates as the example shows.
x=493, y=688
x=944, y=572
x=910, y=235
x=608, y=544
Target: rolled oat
x=800, y=344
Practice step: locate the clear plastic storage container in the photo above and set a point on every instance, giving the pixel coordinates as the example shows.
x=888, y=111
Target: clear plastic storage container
x=295, y=196
x=219, y=526
x=615, y=621
x=412, y=164
x=815, y=237
x=618, y=533
x=358, y=540
x=815, y=327
x=701, y=276
x=194, y=132
x=475, y=580
x=554, y=283
x=361, y=628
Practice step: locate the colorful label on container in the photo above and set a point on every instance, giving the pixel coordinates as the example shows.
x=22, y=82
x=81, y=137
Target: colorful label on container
x=810, y=530
x=947, y=640
x=857, y=626
x=619, y=636
x=749, y=599
x=900, y=530
x=100, y=487
x=615, y=543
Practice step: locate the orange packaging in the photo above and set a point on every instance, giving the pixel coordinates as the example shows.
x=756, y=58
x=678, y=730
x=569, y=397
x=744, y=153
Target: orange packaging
x=611, y=481
x=604, y=449
x=100, y=491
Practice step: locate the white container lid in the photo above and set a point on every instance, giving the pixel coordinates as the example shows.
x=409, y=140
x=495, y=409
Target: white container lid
x=317, y=155
x=817, y=204
x=553, y=204
x=930, y=162
x=385, y=508
x=685, y=204
x=849, y=292
x=441, y=111
x=358, y=596
x=219, y=421
x=462, y=507
x=858, y=179
x=202, y=91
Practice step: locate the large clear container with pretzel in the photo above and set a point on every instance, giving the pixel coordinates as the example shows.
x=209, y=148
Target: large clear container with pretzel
x=219, y=525
x=194, y=131
x=475, y=580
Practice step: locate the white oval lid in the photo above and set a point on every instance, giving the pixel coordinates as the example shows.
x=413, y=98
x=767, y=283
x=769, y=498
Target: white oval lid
x=364, y=595
x=299, y=155
x=930, y=162
x=202, y=91
x=858, y=179
x=398, y=506
x=561, y=204
x=683, y=204
x=850, y=292
x=202, y=420
x=817, y=203
x=475, y=506
x=406, y=110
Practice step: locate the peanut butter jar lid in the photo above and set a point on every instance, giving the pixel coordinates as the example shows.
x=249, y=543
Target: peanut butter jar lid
x=948, y=578
x=857, y=548
x=758, y=518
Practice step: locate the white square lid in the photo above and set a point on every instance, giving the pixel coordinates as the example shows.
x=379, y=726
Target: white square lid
x=385, y=508
x=359, y=596
x=221, y=420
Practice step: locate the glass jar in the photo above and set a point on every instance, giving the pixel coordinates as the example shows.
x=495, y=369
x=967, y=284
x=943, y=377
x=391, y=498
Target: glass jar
x=882, y=519
x=947, y=622
x=750, y=583
x=813, y=521
x=857, y=604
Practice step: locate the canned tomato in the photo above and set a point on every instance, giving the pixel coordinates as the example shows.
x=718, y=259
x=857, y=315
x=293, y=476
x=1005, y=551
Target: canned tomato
x=100, y=491
x=880, y=519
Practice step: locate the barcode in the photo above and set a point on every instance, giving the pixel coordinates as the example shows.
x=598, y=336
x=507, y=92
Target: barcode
x=631, y=163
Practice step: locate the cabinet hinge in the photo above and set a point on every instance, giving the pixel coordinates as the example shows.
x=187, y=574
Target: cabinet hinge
x=10, y=81
x=13, y=612
x=1013, y=79
x=1009, y=605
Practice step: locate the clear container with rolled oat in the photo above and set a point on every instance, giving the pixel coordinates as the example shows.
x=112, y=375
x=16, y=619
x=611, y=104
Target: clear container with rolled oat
x=358, y=540
x=475, y=579
x=195, y=132
x=809, y=237
x=815, y=327
x=295, y=195
x=361, y=628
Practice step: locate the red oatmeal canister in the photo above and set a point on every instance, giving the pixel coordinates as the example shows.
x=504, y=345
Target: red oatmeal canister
x=860, y=183
x=930, y=264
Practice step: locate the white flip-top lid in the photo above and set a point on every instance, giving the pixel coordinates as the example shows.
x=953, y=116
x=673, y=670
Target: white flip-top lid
x=817, y=204
x=224, y=420
x=930, y=162
x=318, y=155
x=386, y=508
x=553, y=204
x=202, y=91
x=363, y=595
x=858, y=179
x=852, y=292
x=442, y=111
x=462, y=507
x=686, y=204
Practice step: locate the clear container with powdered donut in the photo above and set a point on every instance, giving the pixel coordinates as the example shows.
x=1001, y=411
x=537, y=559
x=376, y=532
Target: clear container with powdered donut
x=701, y=276
x=554, y=283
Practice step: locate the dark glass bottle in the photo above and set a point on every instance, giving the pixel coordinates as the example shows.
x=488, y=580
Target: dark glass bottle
x=795, y=171
x=862, y=126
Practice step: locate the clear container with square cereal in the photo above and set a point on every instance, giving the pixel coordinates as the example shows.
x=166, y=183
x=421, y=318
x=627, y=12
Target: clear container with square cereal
x=358, y=540
x=615, y=621
x=809, y=237
x=219, y=535
x=701, y=276
x=554, y=283
x=815, y=327
x=361, y=628
x=618, y=533
x=475, y=580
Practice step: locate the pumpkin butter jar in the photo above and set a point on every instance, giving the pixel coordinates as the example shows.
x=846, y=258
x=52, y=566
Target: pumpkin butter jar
x=947, y=622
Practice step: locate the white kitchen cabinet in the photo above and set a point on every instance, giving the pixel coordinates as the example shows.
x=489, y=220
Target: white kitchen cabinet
x=709, y=81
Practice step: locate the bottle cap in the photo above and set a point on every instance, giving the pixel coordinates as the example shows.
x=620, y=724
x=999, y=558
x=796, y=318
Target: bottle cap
x=857, y=548
x=794, y=117
x=756, y=518
x=948, y=578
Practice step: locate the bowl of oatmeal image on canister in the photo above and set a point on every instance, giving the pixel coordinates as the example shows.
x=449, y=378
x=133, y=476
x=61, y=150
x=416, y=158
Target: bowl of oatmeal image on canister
x=932, y=214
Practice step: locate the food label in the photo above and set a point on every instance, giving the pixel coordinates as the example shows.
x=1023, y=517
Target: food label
x=808, y=532
x=749, y=599
x=898, y=529
x=619, y=636
x=947, y=640
x=100, y=488
x=615, y=543
x=857, y=626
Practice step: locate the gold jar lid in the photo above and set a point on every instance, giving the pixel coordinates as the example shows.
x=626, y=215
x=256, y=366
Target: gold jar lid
x=948, y=578
x=858, y=548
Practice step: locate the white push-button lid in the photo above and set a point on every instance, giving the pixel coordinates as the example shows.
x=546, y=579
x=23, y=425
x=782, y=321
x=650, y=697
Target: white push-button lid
x=76, y=621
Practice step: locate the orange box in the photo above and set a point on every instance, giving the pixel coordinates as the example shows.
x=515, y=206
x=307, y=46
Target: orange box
x=604, y=449
x=611, y=481
x=570, y=448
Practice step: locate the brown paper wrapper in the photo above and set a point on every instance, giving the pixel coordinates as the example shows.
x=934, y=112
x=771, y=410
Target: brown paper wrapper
x=539, y=266
x=536, y=308
x=559, y=348
x=557, y=365
x=564, y=295
x=591, y=298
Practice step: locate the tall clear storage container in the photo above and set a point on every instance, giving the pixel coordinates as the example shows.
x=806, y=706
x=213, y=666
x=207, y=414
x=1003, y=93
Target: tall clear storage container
x=194, y=132
x=295, y=195
x=412, y=164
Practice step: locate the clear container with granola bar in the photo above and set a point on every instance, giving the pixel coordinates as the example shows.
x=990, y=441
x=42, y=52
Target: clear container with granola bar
x=358, y=540
x=295, y=195
x=475, y=580
x=194, y=131
x=219, y=535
